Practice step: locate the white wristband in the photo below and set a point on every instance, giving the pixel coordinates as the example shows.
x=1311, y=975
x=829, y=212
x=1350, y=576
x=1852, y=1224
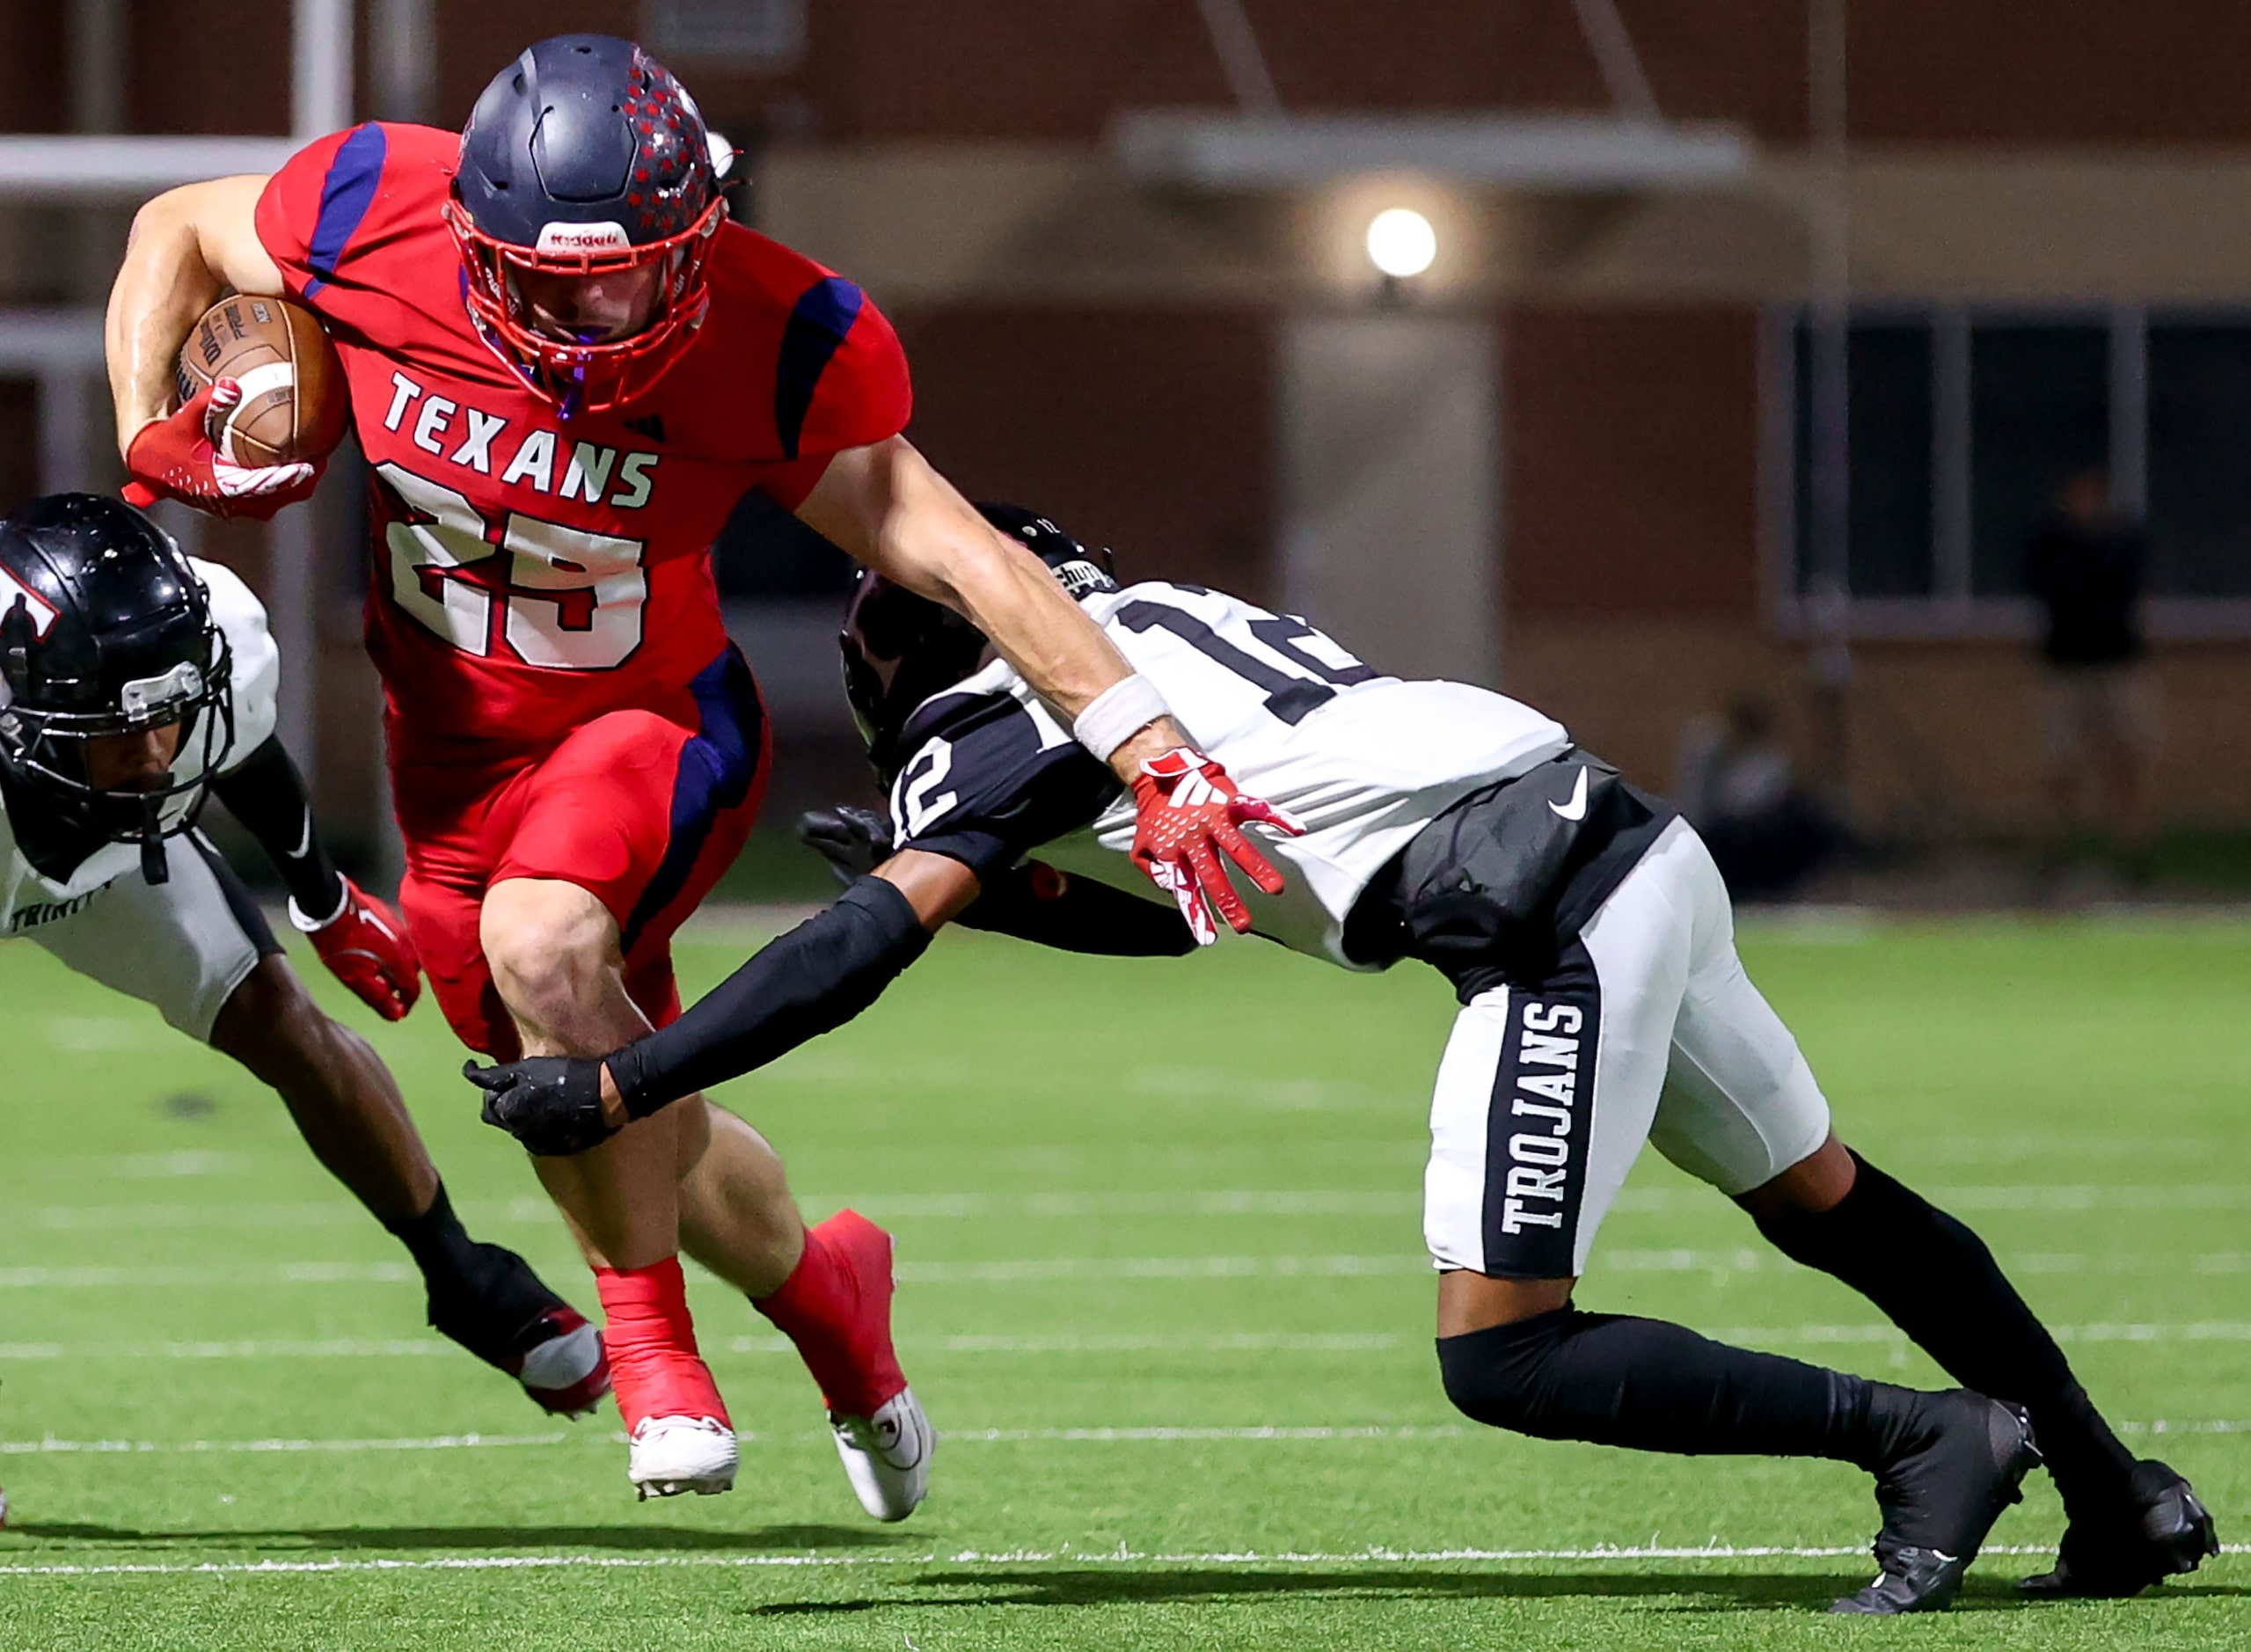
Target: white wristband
x=313, y=926
x=1117, y=714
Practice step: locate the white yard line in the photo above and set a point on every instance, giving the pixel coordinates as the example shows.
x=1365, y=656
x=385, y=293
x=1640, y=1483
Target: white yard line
x=428, y=1442
x=2199, y=1331
x=1252, y=1434
x=976, y=1559
x=905, y=1207
x=902, y=1207
x=270, y=1274
x=1067, y=1343
x=1042, y=1270
x=419, y=1347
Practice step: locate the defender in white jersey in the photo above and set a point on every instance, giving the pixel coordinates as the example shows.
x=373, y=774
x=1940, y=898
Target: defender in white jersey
x=1589, y=939
x=134, y=682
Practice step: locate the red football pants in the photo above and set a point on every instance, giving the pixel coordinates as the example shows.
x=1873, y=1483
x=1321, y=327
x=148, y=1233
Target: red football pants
x=643, y=810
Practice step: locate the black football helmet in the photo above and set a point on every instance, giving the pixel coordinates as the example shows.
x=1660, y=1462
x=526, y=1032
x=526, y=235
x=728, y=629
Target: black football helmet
x=900, y=648
x=104, y=630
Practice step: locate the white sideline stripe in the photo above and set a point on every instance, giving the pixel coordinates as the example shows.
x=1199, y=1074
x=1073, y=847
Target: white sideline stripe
x=341, y=1212
x=1226, y=1201
x=1038, y=1270
x=1265, y=1431
x=1070, y=1342
x=434, y=1442
x=1152, y=1434
x=974, y=1436
x=2200, y=1331
x=273, y=1272
x=2004, y=1197
x=415, y=1347
x=1013, y=1270
x=1119, y=1556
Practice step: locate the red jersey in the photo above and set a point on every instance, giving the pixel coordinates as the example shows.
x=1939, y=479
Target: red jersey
x=531, y=572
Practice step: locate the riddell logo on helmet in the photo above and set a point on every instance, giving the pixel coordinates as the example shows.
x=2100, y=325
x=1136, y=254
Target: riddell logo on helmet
x=583, y=238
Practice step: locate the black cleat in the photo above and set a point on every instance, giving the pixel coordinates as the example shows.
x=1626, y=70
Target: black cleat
x=2166, y=1531
x=501, y=1312
x=1939, y=1497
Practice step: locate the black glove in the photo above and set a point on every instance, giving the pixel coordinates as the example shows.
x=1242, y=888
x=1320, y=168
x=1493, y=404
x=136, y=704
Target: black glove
x=552, y=1104
x=853, y=840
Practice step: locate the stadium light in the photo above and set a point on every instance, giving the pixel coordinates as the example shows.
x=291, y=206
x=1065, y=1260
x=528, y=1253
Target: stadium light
x=1401, y=244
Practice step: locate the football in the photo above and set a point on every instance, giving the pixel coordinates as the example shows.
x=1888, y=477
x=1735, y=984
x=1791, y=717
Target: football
x=293, y=405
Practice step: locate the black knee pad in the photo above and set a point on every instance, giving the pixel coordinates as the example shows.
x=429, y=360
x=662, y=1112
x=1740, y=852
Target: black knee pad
x=1499, y=1376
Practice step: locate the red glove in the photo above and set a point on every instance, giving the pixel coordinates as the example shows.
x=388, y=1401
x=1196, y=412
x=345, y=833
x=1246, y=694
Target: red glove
x=367, y=949
x=174, y=458
x=1188, y=807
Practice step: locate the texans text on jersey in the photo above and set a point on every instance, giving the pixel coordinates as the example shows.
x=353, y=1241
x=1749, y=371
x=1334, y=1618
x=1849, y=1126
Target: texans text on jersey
x=589, y=472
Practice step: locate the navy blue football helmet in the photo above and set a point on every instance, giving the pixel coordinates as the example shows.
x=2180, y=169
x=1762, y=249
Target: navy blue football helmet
x=900, y=648
x=104, y=630
x=586, y=158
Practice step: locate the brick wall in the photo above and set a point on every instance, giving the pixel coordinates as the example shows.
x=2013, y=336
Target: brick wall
x=1148, y=430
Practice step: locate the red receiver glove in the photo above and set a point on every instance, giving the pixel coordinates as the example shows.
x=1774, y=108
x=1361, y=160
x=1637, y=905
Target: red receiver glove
x=1188, y=807
x=174, y=458
x=367, y=949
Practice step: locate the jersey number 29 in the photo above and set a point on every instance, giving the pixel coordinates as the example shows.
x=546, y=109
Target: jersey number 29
x=569, y=599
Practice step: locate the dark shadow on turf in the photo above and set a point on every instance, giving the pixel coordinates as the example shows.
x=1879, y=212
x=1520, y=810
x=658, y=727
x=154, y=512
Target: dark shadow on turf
x=510, y=1539
x=1111, y=1586
x=1699, y=1591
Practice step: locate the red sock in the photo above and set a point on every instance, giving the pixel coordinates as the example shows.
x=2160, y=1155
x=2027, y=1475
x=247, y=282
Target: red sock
x=654, y=1365
x=836, y=1306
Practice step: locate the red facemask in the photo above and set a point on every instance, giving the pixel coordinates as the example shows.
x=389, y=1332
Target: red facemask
x=589, y=376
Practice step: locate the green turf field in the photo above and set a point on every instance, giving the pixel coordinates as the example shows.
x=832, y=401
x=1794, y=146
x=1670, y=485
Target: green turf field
x=1162, y=1290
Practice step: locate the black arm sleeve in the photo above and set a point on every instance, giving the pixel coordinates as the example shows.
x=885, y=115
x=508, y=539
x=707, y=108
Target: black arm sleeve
x=1038, y=903
x=267, y=795
x=814, y=979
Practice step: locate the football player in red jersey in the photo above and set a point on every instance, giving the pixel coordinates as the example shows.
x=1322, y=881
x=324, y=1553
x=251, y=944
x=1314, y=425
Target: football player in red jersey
x=566, y=366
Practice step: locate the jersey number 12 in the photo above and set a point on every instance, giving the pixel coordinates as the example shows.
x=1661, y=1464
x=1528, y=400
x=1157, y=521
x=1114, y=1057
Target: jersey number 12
x=1296, y=678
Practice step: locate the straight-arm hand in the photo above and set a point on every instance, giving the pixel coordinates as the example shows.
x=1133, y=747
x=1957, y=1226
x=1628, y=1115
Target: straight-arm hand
x=814, y=979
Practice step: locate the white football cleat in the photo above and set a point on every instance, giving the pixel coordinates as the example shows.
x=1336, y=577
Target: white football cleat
x=670, y=1455
x=887, y=1457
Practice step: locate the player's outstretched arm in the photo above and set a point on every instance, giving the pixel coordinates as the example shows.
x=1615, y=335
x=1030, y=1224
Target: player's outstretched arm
x=814, y=979
x=1033, y=902
x=358, y=936
x=187, y=246
x=886, y=505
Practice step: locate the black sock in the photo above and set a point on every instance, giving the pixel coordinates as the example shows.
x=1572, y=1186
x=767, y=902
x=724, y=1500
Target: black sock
x=484, y=1297
x=1612, y=1380
x=1937, y=1281
x=440, y=1246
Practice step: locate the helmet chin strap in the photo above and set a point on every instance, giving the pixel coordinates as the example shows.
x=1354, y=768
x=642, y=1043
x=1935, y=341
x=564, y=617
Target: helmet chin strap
x=155, y=868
